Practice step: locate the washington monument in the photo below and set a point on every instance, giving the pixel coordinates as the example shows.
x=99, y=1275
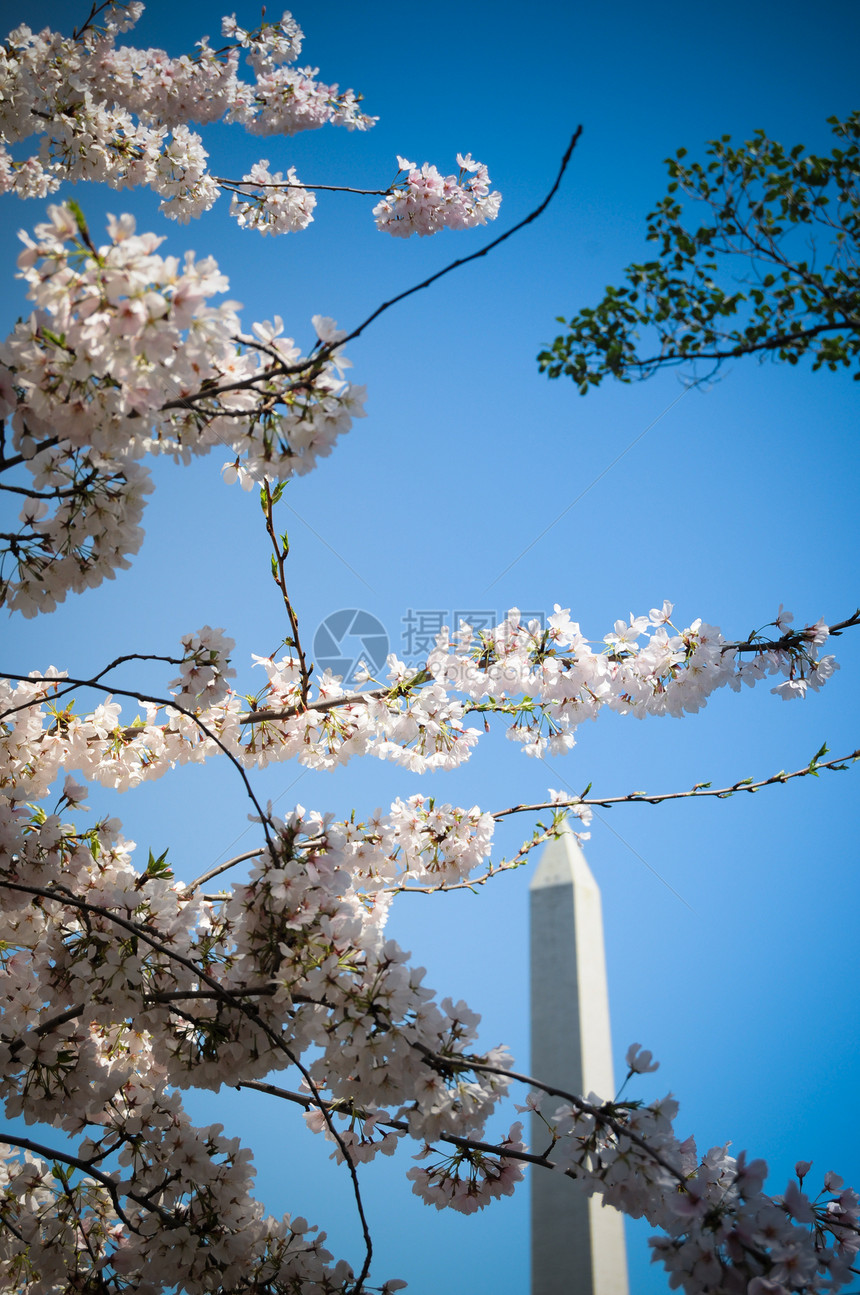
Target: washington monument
x=577, y=1245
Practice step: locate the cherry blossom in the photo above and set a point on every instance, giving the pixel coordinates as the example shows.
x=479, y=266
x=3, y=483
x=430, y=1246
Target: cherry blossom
x=284, y=205
x=115, y=328
x=120, y=115
x=639, y=1061
x=123, y=986
x=542, y=692
x=426, y=201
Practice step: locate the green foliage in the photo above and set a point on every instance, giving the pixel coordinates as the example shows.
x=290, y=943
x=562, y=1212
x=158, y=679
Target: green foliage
x=159, y=867
x=753, y=280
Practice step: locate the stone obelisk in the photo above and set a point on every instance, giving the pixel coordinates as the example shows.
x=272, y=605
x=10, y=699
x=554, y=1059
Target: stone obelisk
x=577, y=1244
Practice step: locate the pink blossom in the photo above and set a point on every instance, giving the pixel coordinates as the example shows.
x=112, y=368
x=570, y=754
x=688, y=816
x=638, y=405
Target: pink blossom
x=639, y=1061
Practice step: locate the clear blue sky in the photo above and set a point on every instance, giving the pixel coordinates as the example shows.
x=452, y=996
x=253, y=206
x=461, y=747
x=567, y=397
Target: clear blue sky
x=740, y=498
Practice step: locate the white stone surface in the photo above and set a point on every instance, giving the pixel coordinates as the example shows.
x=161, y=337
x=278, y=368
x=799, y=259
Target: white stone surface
x=577, y=1244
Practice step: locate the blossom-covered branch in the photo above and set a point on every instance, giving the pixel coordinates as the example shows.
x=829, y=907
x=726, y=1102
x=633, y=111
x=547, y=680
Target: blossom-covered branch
x=123, y=986
x=83, y=383
x=294, y=960
x=547, y=681
x=123, y=115
x=149, y=943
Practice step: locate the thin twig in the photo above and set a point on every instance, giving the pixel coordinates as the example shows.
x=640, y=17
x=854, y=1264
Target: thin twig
x=741, y=348
x=351, y=699
x=504, y=865
x=70, y=684
x=400, y=1126
x=27, y=1144
x=50, y=494
x=47, y=444
x=597, y=1112
x=792, y=638
x=281, y=549
x=222, y=867
x=464, y=260
x=179, y=995
x=837, y=764
x=700, y=790
x=241, y=187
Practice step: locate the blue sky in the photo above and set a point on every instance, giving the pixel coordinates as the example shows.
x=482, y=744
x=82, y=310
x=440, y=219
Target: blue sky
x=738, y=498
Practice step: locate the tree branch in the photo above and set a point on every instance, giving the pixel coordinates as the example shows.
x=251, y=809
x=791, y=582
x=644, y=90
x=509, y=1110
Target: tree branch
x=51, y=1153
x=321, y=355
x=400, y=1126
x=740, y=348
x=172, y=703
x=598, y=1113
x=222, y=867
x=61, y=896
x=241, y=187
x=464, y=260
x=700, y=790
x=280, y=549
x=792, y=638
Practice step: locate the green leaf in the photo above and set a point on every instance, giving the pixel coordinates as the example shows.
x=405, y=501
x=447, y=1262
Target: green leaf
x=669, y=310
x=56, y=339
x=157, y=867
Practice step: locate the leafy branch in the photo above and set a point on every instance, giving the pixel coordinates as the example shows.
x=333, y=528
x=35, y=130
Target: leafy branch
x=691, y=305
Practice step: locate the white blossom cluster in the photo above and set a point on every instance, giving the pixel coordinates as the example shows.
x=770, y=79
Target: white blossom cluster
x=645, y=666
x=282, y=207
x=124, y=356
x=719, y=1232
x=547, y=681
x=427, y=201
x=120, y=115
x=468, y=1180
x=204, y=669
x=121, y=988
